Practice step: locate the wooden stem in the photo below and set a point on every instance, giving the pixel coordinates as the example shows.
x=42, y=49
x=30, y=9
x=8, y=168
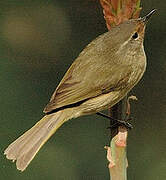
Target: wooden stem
x=116, y=153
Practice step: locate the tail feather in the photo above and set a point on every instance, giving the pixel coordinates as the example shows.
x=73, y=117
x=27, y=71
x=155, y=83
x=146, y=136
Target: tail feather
x=26, y=146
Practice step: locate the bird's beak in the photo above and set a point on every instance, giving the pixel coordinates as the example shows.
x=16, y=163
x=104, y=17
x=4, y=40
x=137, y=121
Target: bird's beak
x=148, y=16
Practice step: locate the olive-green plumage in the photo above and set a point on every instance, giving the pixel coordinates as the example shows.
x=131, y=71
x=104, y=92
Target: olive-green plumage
x=104, y=72
x=105, y=65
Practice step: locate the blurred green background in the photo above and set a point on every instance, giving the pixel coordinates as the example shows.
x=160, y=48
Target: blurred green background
x=38, y=42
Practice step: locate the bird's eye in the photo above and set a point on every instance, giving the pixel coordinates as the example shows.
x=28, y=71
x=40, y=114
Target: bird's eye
x=135, y=35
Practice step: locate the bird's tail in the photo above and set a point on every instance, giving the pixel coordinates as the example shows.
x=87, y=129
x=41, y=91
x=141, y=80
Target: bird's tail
x=23, y=149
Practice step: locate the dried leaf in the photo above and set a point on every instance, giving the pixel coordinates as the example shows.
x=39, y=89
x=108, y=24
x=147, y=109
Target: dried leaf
x=118, y=11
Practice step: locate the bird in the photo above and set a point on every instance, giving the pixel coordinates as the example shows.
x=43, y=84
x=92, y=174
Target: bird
x=102, y=75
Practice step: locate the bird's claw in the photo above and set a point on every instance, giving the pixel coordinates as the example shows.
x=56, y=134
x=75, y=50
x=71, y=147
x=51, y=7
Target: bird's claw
x=118, y=123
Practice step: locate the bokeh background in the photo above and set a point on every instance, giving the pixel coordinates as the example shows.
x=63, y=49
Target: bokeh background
x=38, y=42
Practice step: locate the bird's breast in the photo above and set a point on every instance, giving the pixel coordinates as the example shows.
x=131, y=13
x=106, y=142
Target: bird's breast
x=138, y=68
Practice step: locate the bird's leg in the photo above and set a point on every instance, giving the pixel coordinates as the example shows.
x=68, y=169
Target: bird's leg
x=121, y=122
x=117, y=122
x=106, y=116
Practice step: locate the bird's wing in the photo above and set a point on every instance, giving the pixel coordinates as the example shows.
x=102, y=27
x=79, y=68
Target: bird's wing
x=91, y=74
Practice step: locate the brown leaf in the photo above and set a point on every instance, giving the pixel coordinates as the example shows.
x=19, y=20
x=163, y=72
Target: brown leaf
x=118, y=11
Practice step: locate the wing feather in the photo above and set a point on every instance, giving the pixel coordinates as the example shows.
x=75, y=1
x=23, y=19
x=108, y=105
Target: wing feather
x=91, y=74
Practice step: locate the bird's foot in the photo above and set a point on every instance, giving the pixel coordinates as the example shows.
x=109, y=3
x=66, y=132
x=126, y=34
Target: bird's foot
x=117, y=122
x=124, y=123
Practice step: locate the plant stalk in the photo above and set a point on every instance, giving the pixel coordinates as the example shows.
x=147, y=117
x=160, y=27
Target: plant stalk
x=118, y=144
